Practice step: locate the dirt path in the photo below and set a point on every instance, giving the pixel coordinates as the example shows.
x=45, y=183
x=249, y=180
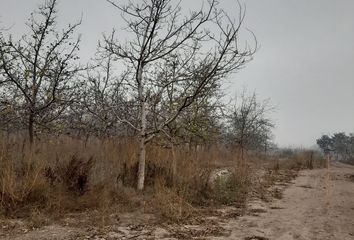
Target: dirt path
x=315, y=206
x=312, y=208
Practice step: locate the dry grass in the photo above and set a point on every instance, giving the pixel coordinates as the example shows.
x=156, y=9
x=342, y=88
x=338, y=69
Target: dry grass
x=60, y=175
x=280, y=171
x=172, y=204
x=299, y=160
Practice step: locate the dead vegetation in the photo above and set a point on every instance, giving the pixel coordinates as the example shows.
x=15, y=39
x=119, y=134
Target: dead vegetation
x=282, y=170
x=143, y=128
x=60, y=175
x=63, y=175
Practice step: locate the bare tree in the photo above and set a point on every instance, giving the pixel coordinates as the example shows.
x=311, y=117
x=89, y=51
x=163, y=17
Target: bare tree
x=174, y=57
x=200, y=123
x=40, y=67
x=250, y=127
x=105, y=101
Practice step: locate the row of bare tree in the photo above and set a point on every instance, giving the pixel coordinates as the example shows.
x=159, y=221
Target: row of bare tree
x=163, y=82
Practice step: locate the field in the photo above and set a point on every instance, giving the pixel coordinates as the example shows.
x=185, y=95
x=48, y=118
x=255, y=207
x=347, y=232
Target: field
x=71, y=188
x=130, y=119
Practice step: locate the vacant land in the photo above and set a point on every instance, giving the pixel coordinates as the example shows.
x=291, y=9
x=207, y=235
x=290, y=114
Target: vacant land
x=312, y=208
x=318, y=204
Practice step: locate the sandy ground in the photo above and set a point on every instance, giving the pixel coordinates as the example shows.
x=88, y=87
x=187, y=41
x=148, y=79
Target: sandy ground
x=317, y=205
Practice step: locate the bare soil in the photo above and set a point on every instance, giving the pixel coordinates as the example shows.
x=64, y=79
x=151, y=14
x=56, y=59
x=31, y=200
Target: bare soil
x=317, y=205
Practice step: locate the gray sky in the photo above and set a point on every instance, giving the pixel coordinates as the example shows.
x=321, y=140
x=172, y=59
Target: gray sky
x=305, y=63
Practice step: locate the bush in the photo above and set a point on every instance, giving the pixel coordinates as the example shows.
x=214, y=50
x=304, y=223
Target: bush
x=171, y=203
x=74, y=175
x=22, y=189
x=232, y=189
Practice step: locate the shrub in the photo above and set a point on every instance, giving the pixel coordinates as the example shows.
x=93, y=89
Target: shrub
x=74, y=175
x=171, y=203
x=232, y=189
x=22, y=189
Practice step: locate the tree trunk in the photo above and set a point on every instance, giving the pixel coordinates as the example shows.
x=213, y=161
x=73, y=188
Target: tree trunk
x=142, y=148
x=30, y=128
x=141, y=171
x=142, y=135
x=174, y=165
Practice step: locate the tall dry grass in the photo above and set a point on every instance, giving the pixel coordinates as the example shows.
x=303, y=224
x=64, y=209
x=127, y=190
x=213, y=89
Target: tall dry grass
x=61, y=174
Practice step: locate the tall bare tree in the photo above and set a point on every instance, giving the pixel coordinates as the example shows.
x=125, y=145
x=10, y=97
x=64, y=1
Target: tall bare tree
x=250, y=127
x=176, y=57
x=39, y=68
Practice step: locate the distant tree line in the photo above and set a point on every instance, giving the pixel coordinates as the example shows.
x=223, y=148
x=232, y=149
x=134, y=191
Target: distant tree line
x=339, y=145
x=162, y=85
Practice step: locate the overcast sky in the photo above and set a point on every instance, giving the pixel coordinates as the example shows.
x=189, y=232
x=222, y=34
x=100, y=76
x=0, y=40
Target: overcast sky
x=305, y=63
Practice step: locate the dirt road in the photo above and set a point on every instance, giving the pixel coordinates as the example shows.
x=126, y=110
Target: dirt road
x=316, y=206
